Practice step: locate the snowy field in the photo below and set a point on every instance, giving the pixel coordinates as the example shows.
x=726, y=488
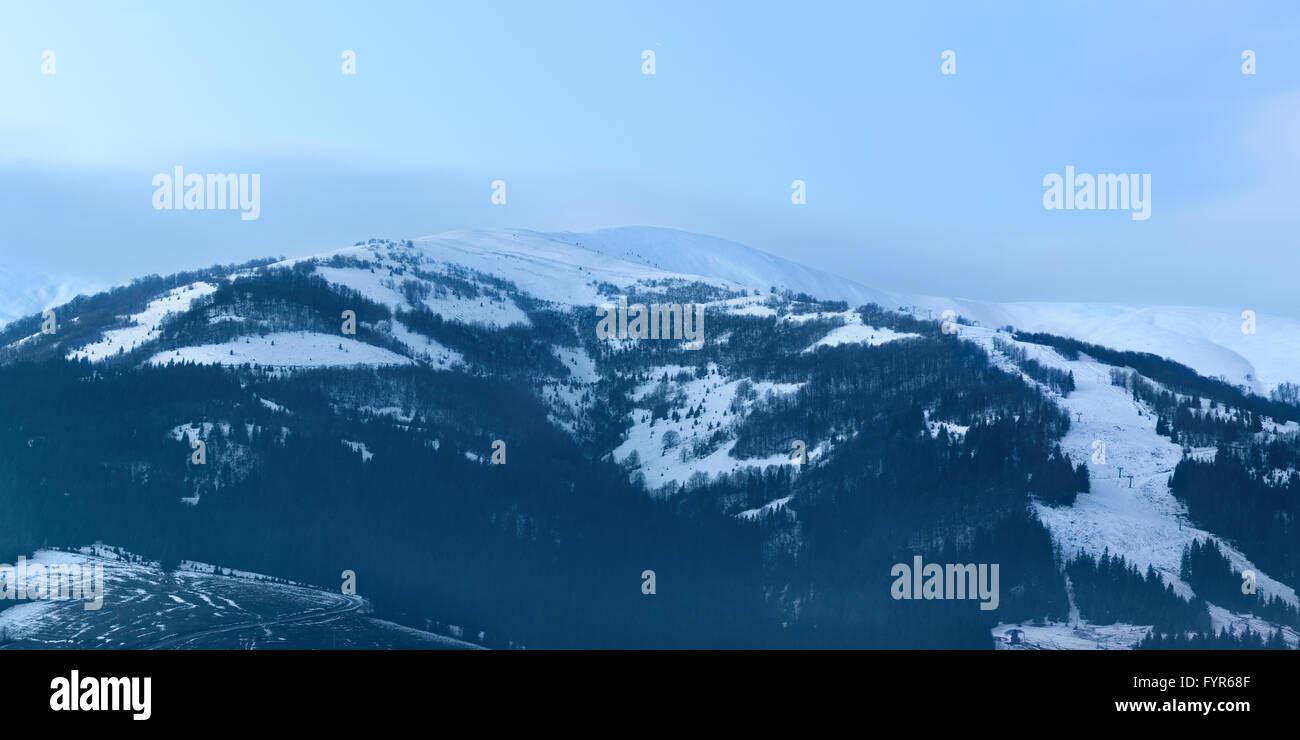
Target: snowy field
x=297, y=349
x=666, y=449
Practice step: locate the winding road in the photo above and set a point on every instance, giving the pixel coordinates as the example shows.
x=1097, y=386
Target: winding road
x=346, y=604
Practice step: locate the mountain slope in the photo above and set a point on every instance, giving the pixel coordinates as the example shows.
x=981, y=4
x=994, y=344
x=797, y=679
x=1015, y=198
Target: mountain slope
x=1130, y=510
x=1209, y=340
x=566, y=267
x=440, y=416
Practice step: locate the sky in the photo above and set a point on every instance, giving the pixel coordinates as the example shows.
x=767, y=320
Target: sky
x=916, y=181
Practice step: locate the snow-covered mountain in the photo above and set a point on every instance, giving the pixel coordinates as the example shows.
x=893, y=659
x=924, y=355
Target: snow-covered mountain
x=1210, y=340
x=565, y=266
x=979, y=443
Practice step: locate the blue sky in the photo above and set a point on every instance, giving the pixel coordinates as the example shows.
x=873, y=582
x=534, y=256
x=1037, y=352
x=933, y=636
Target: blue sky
x=916, y=181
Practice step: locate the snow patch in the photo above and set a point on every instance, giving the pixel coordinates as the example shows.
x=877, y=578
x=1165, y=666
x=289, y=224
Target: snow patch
x=285, y=349
x=144, y=326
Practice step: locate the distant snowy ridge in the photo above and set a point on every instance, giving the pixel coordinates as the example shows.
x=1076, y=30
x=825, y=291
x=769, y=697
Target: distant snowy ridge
x=696, y=254
x=1208, y=340
x=24, y=292
x=578, y=268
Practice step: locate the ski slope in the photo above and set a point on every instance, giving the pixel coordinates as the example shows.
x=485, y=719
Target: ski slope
x=1138, y=517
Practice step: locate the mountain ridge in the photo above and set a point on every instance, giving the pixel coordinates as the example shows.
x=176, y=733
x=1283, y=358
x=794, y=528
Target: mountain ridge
x=1208, y=339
